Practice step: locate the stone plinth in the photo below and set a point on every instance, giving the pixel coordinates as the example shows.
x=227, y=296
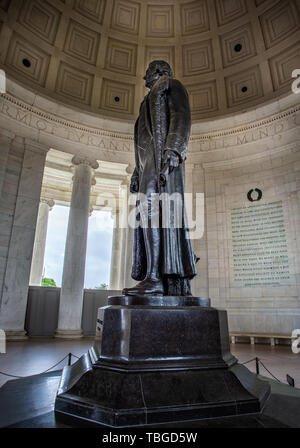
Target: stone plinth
x=161, y=359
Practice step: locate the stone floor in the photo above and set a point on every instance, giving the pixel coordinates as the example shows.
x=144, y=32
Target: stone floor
x=36, y=355
x=279, y=360
x=33, y=397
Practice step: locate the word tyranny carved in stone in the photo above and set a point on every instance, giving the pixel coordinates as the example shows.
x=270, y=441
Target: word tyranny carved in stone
x=114, y=142
x=64, y=129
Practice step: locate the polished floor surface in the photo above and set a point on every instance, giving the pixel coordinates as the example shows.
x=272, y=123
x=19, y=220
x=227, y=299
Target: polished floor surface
x=29, y=402
x=36, y=355
x=279, y=360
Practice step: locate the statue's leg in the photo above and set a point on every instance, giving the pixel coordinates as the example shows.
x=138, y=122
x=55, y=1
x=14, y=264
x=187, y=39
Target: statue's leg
x=152, y=243
x=152, y=236
x=150, y=223
x=177, y=286
x=153, y=283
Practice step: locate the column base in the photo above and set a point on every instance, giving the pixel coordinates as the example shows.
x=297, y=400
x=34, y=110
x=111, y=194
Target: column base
x=68, y=334
x=16, y=335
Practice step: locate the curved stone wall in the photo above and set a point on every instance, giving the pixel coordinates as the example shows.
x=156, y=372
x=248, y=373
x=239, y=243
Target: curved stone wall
x=231, y=55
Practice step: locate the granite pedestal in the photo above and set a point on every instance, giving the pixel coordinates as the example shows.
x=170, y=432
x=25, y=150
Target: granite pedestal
x=158, y=359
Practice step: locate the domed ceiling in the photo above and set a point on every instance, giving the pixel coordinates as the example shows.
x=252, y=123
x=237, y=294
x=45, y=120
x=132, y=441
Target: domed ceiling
x=230, y=54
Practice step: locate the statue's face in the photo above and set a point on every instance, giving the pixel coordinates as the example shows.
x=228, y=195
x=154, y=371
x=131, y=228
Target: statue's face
x=152, y=75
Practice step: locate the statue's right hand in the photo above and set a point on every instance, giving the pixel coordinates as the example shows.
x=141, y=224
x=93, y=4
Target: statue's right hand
x=134, y=185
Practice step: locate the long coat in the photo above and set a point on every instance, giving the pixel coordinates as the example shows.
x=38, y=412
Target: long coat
x=164, y=124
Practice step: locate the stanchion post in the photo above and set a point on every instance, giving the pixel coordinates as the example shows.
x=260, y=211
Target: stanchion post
x=257, y=365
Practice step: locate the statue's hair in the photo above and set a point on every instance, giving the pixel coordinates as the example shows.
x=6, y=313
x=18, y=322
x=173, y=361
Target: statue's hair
x=162, y=66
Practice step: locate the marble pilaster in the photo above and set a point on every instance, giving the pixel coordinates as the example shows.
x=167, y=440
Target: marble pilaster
x=200, y=285
x=5, y=215
x=71, y=296
x=16, y=278
x=5, y=142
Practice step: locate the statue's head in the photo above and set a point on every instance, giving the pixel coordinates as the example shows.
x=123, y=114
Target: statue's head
x=155, y=70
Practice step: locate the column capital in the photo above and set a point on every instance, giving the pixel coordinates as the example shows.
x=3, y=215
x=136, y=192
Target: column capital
x=126, y=181
x=49, y=202
x=6, y=135
x=80, y=160
x=35, y=146
x=129, y=169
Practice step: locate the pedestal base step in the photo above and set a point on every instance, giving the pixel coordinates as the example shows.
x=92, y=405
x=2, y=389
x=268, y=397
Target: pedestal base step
x=122, y=399
x=155, y=360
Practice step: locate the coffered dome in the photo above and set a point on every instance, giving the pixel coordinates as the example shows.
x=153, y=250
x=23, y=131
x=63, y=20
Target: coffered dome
x=92, y=54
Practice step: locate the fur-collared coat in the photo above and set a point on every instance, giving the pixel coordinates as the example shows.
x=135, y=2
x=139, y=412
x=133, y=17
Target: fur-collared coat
x=164, y=124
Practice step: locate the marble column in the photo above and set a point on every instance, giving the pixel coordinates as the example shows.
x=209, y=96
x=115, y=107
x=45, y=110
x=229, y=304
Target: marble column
x=128, y=244
x=115, y=253
x=124, y=189
x=71, y=295
x=16, y=278
x=37, y=263
x=128, y=280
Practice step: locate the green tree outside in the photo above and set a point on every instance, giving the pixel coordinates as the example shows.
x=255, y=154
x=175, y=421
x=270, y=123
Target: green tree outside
x=102, y=286
x=48, y=282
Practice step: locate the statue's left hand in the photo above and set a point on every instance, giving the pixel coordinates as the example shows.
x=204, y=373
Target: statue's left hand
x=172, y=158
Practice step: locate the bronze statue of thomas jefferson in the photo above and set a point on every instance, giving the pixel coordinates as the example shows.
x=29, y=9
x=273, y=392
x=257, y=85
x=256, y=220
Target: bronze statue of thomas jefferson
x=163, y=260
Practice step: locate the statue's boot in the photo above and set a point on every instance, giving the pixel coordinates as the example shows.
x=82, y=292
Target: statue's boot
x=153, y=283
x=147, y=286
